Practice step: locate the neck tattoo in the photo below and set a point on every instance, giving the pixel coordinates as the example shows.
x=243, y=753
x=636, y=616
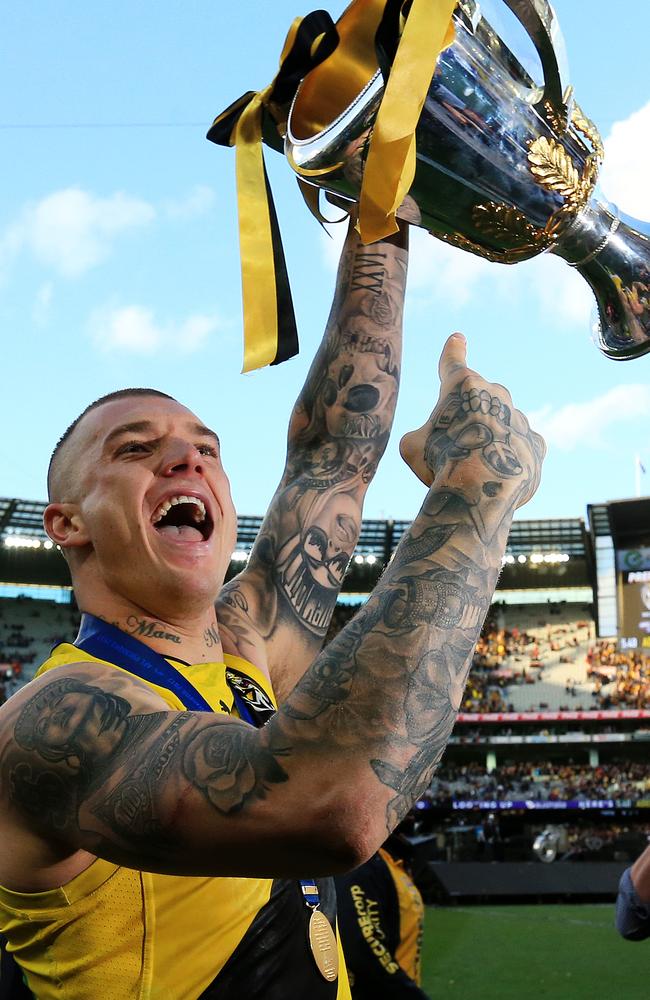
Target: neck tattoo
x=211, y=636
x=150, y=629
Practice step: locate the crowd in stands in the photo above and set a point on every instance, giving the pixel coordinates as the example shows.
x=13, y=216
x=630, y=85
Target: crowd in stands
x=509, y=655
x=513, y=656
x=518, y=648
x=541, y=780
x=580, y=841
x=622, y=679
x=29, y=629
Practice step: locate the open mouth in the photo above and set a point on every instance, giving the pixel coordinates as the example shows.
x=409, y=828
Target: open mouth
x=183, y=517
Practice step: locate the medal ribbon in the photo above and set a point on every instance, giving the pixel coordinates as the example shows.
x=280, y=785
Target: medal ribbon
x=390, y=164
x=270, y=335
x=310, y=893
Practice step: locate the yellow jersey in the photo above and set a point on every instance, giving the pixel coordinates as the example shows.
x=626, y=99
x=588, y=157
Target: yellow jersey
x=114, y=933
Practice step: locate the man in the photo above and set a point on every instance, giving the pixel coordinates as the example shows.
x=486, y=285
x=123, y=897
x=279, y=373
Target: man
x=633, y=900
x=151, y=849
x=381, y=917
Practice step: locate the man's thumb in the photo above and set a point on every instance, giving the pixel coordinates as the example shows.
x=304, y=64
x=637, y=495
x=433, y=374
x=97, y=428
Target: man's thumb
x=454, y=356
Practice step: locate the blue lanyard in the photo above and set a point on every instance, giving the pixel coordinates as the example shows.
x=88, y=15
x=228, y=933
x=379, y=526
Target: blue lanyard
x=109, y=643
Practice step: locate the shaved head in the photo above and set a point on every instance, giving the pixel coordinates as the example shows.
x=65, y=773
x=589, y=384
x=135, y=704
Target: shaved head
x=60, y=472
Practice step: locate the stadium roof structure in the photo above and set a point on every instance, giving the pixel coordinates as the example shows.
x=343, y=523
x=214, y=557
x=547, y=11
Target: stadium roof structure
x=625, y=521
x=598, y=516
x=548, y=535
x=22, y=517
x=541, y=553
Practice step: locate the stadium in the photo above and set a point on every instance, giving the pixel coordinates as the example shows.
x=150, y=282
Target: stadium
x=543, y=796
x=122, y=240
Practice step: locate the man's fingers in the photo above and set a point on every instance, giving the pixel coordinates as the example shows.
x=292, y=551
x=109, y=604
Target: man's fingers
x=453, y=357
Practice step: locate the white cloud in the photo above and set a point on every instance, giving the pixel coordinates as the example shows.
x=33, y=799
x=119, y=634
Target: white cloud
x=135, y=330
x=72, y=230
x=438, y=271
x=197, y=202
x=559, y=290
x=584, y=424
x=625, y=170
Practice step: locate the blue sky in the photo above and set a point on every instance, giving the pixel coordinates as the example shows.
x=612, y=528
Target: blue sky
x=119, y=257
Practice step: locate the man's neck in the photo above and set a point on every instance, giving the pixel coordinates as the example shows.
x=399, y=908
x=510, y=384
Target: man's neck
x=195, y=641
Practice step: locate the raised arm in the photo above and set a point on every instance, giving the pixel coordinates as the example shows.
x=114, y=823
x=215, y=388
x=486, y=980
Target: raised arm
x=320, y=786
x=276, y=612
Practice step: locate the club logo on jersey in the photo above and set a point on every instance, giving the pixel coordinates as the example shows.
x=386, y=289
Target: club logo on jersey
x=256, y=698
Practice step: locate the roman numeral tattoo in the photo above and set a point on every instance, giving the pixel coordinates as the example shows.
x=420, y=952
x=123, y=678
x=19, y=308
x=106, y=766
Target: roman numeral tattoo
x=368, y=272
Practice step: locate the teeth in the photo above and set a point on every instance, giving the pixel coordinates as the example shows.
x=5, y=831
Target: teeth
x=198, y=512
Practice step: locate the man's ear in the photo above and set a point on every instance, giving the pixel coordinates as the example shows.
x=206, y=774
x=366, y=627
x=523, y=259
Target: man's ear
x=65, y=526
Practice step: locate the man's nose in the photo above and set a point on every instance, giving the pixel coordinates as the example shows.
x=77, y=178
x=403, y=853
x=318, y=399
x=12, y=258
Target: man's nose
x=182, y=456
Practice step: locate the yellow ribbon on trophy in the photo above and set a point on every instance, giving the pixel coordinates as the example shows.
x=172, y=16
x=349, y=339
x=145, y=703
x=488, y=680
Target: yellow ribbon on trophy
x=390, y=164
x=255, y=239
x=270, y=335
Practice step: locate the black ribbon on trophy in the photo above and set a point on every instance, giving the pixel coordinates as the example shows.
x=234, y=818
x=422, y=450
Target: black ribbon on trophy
x=419, y=110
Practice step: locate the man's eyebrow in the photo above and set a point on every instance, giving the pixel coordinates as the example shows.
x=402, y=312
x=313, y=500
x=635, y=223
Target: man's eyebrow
x=204, y=431
x=137, y=427
x=143, y=426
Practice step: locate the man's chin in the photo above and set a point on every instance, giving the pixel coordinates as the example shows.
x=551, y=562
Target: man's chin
x=184, y=580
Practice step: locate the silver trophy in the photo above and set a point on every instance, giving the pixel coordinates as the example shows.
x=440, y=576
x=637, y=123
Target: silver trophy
x=506, y=166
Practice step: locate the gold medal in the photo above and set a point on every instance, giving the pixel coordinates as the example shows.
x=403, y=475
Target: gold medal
x=322, y=942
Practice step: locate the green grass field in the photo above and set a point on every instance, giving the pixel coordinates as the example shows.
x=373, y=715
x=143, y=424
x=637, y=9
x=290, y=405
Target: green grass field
x=522, y=952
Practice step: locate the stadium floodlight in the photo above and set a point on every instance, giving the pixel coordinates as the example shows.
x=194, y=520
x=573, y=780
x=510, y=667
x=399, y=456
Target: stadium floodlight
x=371, y=560
x=521, y=558
x=49, y=544
x=239, y=555
x=359, y=560
x=21, y=542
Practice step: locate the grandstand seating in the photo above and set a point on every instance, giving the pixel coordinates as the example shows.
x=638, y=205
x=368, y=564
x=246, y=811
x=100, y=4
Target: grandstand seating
x=28, y=630
x=529, y=658
x=542, y=781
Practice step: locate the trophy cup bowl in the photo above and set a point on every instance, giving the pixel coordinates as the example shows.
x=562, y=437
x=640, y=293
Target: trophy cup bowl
x=505, y=167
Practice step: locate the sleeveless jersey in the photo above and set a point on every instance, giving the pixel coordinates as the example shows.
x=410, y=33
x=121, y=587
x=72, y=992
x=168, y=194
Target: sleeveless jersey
x=121, y=934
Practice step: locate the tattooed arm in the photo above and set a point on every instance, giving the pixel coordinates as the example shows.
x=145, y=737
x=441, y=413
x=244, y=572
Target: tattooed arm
x=276, y=612
x=391, y=683
x=92, y=760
